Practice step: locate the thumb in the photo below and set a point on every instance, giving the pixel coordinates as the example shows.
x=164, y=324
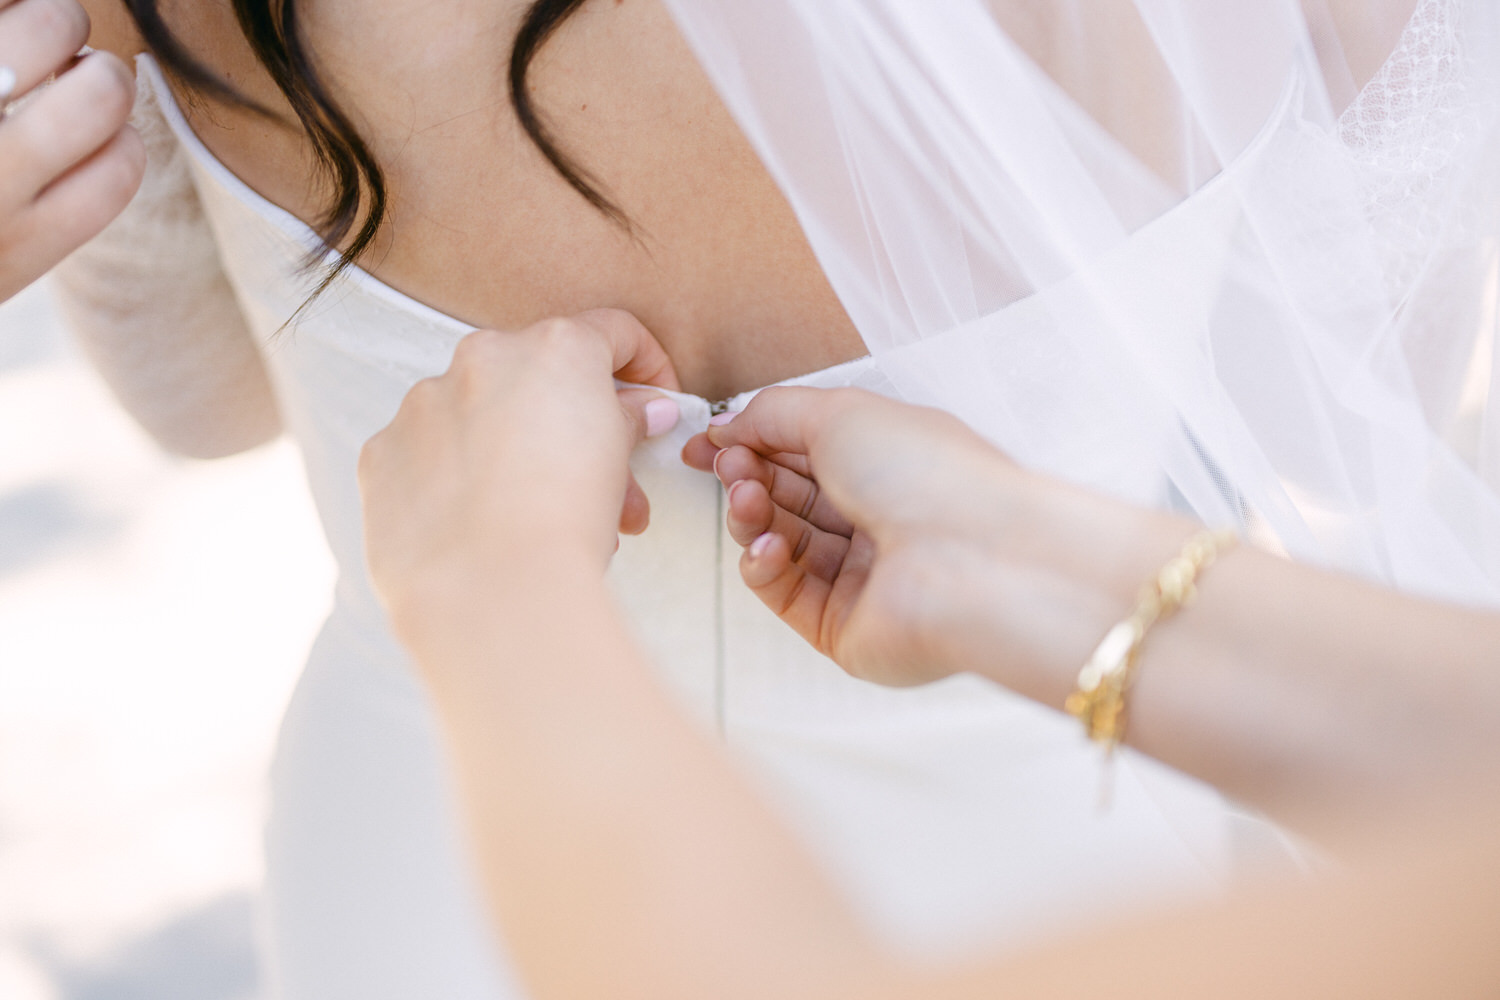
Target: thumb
x=638, y=357
x=648, y=413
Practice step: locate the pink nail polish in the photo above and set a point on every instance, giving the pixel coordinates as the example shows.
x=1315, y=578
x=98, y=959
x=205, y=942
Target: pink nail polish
x=759, y=547
x=720, y=419
x=661, y=416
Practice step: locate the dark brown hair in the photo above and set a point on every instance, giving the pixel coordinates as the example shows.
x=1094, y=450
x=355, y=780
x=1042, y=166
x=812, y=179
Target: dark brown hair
x=357, y=207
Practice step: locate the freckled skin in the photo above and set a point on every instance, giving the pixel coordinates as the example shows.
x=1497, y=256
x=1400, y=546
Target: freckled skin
x=480, y=225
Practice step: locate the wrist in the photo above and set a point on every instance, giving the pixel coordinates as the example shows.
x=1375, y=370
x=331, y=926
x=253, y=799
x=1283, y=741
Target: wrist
x=1065, y=568
x=469, y=597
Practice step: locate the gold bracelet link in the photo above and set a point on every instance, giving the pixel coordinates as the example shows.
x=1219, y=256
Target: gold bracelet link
x=1100, y=700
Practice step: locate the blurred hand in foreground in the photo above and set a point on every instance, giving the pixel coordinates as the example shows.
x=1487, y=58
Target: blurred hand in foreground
x=69, y=160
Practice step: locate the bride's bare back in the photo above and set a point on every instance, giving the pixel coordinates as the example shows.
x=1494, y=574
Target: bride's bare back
x=482, y=228
x=480, y=225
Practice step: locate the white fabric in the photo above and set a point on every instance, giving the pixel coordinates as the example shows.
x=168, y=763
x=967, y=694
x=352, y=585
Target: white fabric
x=954, y=814
x=1168, y=248
x=163, y=327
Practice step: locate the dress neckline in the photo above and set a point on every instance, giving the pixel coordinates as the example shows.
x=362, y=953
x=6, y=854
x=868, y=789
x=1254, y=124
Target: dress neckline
x=285, y=222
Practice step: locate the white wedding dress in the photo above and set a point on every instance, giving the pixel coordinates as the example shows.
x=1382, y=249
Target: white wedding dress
x=955, y=816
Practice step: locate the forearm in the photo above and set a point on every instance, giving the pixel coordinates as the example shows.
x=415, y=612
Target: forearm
x=1284, y=686
x=624, y=858
x=1295, y=689
x=1414, y=913
x=622, y=854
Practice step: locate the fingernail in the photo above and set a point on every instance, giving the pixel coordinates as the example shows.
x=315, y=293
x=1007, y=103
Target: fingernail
x=718, y=455
x=661, y=416
x=720, y=419
x=760, y=545
x=734, y=486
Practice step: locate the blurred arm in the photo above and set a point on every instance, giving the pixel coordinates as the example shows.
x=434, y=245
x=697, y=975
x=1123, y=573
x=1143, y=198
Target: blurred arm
x=151, y=305
x=626, y=858
x=622, y=854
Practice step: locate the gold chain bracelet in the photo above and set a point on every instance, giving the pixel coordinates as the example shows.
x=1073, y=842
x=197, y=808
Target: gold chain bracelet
x=1099, y=702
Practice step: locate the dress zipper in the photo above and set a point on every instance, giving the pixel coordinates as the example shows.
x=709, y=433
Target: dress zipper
x=716, y=407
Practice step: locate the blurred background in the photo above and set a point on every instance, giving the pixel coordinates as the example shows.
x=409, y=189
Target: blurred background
x=154, y=613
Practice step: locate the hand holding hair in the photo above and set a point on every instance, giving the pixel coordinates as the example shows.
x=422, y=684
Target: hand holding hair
x=69, y=162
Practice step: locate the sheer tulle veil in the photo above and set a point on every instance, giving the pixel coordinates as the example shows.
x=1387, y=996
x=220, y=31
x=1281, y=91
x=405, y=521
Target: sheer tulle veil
x=1241, y=257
